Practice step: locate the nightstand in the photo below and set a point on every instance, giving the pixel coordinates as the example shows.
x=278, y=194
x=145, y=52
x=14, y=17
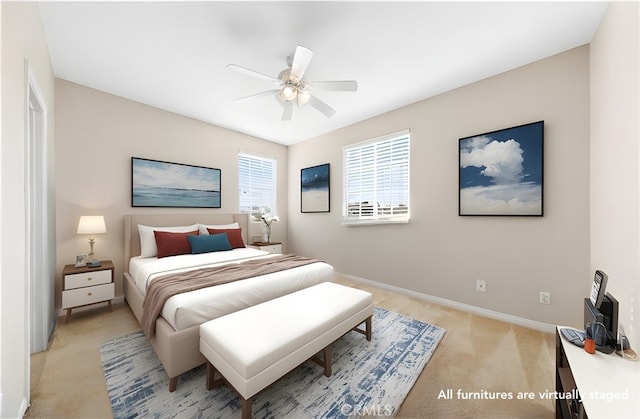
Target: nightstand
x=85, y=286
x=267, y=247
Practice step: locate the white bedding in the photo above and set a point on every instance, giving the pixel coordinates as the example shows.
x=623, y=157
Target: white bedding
x=196, y=307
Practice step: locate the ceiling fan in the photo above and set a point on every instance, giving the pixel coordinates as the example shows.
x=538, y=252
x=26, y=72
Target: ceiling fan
x=292, y=87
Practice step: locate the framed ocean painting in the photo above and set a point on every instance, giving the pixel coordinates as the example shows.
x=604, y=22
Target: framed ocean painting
x=501, y=172
x=314, y=189
x=157, y=183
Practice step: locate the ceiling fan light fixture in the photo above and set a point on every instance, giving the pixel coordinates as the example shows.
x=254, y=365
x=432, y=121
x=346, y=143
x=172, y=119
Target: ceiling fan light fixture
x=288, y=93
x=303, y=98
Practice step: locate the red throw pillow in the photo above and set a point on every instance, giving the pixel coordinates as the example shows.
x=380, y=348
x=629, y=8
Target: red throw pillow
x=233, y=234
x=172, y=244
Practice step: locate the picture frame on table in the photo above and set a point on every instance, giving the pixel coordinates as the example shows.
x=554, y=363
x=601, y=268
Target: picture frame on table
x=501, y=172
x=315, y=189
x=156, y=183
x=81, y=261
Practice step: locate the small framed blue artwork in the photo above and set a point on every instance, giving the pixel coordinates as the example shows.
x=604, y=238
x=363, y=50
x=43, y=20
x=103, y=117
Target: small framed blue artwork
x=314, y=189
x=501, y=172
x=157, y=183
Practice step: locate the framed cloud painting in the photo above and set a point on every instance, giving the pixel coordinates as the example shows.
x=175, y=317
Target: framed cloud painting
x=164, y=184
x=501, y=172
x=314, y=189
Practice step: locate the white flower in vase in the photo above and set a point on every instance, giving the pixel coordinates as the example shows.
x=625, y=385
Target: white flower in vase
x=268, y=219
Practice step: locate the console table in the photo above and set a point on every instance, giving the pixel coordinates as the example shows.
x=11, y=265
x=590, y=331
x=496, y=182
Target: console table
x=609, y=386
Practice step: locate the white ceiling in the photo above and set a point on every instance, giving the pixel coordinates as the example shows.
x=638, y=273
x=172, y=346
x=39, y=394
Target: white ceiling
x=173, y=55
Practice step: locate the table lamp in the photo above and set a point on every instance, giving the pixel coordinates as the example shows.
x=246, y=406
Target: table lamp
x=91, y=224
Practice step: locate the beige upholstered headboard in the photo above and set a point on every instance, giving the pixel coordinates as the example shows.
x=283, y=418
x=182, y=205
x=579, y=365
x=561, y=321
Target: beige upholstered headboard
x=132, y=236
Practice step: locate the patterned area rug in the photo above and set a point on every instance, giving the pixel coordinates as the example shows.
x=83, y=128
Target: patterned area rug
x=369, y=378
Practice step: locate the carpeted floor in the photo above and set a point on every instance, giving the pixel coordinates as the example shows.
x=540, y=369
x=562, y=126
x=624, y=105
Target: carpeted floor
x=367, y=377
x=476, y=353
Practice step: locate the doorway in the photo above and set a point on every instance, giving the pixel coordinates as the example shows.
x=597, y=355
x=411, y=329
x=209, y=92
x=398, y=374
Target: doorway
x=39, y=259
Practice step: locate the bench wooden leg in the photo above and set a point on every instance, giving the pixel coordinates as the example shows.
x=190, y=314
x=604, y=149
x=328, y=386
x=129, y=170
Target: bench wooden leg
x=211, y=377
x=212, y=382
x=367, y=330
x=173, y=383
x=327, y=361
x=246, y=407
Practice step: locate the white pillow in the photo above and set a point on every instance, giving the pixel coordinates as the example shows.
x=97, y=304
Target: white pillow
x=148, y=247
x=203, y=227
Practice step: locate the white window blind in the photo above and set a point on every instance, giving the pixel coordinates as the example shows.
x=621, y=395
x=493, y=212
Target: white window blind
x=376, y=180
x=257, y=184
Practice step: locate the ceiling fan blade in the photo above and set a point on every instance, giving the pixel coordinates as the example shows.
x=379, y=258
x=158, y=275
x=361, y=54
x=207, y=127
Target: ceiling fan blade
x=287, y=113
x=301, y=60
x=252, y=73
x=327, y=110
x=336, y=86
x=258, y=95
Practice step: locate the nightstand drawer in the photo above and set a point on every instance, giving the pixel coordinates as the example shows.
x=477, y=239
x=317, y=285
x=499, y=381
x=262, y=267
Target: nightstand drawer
x=273, y=248
x=86, y=279
x=87, y=295
x=267, y=247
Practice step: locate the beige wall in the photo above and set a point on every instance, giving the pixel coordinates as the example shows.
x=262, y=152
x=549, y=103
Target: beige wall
x=615, y=158
x=22, y=39
x=98, y=133
x=440, y=253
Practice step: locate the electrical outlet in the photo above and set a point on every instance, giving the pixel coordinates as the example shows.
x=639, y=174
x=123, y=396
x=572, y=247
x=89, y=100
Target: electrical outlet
x=545, y=297
x=481, y=286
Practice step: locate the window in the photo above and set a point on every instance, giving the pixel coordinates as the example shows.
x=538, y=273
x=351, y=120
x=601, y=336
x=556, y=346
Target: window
x=376, y=180
x=257, y=184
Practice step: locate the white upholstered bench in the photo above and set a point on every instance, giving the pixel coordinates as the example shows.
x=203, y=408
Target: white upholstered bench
x=255, y=347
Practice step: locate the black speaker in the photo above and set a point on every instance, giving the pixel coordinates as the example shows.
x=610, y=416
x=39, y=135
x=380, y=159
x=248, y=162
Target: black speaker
x=609, y=310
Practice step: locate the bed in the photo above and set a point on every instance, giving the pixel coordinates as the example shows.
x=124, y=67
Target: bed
x=176, y=335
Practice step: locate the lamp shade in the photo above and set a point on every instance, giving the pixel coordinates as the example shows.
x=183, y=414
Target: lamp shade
x=91, y=224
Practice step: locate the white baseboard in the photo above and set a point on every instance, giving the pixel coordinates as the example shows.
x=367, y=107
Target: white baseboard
x=63, y=312
x=496, y=315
